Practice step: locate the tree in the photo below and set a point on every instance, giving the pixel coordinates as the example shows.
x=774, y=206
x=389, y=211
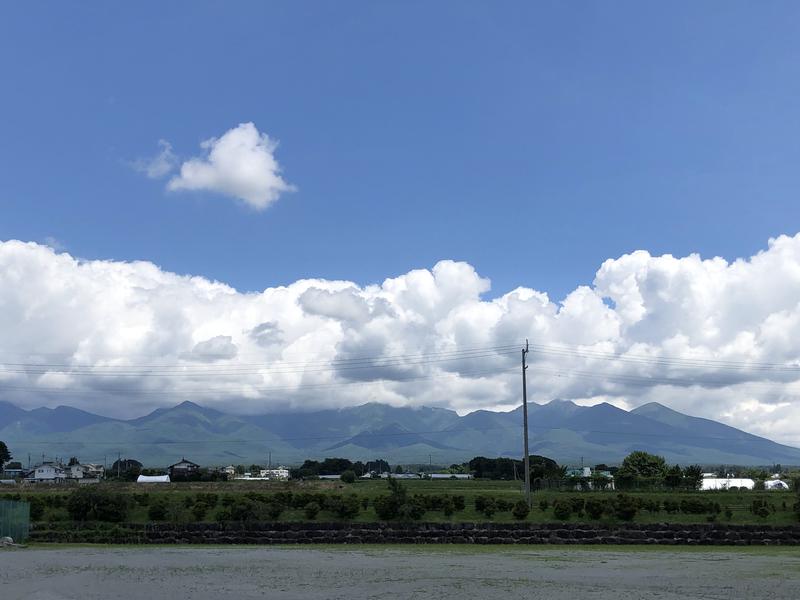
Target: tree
x=645, y=465
x=5, y=455
x=348, y=477
x=73, y=461
x=399, y=470
x=693, y=475
x=674, y=477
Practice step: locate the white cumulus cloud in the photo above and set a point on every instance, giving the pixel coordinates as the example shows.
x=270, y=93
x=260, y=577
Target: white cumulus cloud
x=240, y=164
x=709, y=337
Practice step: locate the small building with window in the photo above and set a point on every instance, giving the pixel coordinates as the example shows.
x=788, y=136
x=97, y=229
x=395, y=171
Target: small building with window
x=183, y=468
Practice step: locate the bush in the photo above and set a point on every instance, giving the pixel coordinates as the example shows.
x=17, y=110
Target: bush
x=520, y=510
x=699, y=506
x=37, y=508
x=486, y=505
x=386, y=507
x=273, y=510
x=345, y=507
x=625, y=507
x=348, y=477
x=397, y=504
x=671, y=506
x=199, y=511
x=562, y=509
x=577, y=505
x=209, y=499
x=595, y=508
x=311, y=510
x=157, y=510
x=448, y=507
x=243, y=509
x=92, y=504
x=543, y=505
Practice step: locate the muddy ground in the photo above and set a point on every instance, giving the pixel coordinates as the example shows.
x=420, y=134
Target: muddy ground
x=552, y=573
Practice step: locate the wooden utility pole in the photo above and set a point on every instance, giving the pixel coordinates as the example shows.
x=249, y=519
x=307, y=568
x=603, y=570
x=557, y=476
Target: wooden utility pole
x=525, y=425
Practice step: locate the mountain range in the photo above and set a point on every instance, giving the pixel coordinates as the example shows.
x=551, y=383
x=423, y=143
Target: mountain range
x=559, y=429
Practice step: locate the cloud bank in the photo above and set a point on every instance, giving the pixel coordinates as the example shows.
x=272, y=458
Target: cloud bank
x=710, y=337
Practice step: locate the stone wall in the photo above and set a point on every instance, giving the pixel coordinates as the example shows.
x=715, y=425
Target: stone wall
x=416, y=533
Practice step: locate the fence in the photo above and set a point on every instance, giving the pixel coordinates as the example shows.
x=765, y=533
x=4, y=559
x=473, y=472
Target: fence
x=15, y=520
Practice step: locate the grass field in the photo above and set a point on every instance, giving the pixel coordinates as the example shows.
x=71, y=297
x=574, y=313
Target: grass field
x=734, y=507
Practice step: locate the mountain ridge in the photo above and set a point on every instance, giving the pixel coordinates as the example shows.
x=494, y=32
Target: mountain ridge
x=560, y=429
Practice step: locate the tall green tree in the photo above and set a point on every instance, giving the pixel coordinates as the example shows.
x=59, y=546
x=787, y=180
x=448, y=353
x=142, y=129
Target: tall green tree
x=5, y=455
x=645, y=465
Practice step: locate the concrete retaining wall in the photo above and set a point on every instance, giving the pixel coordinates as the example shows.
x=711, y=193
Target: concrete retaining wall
x=417, y=533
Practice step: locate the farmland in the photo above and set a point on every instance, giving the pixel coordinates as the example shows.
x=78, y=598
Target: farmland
x=433, y=501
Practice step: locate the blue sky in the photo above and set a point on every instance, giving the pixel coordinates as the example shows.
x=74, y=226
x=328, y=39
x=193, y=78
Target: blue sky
x=532, y=140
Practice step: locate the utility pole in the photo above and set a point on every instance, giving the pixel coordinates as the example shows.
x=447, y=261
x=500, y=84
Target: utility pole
x=525, y=424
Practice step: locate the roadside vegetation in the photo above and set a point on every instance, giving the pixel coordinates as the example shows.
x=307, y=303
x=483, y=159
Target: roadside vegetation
x=395, y=500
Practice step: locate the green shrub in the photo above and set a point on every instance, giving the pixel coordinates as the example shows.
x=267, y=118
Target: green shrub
x=345, y=507
x=157, y=510
x=520, y=510
x=93, y=504
x=273, y=510
x=562, y=509
x=36, y=508
x=543, y=505
x=386, y=507
x=448, y=507
x=576, y=505
x=243, y=509
x=311, y=510
x=348, y=477
x=698, y=506
x=209, y=499
x=199, y=511
x=595, y=508
x=486, y=505
x=625, y=507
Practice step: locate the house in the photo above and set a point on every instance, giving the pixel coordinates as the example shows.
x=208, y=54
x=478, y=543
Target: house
x=450, y=476
x=279, y=473
x=182, y=468
x=579, y=472
x=94, y=471
x=153, y=479
x=47, y=472
x=76, y=471
x=13, y=472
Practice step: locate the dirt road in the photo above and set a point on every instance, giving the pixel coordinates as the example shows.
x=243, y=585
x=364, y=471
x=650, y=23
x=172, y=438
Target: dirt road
x=202, y=573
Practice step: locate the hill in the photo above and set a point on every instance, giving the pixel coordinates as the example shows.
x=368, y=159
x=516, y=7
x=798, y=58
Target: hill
x=559, y=429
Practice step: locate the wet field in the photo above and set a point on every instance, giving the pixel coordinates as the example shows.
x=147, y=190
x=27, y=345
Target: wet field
x=554, y=573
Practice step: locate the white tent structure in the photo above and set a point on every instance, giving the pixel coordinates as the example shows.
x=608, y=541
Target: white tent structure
x=153, y=479
x=775, y=484
x=726, y=483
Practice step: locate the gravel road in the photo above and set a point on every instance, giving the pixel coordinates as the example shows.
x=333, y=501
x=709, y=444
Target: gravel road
x=200, y=573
